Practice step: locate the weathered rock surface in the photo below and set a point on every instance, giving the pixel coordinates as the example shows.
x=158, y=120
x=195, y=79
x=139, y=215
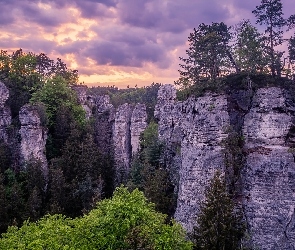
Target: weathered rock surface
x=117, y=131
x=5, y=114
x=198, y=127
x=122, y=142
x=265, y=119
x=137, y=126
x=33, y=136
x=269, y=174
x=85, y=100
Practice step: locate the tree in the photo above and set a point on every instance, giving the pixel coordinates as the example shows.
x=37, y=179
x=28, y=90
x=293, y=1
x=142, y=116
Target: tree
x=148, y=173
x=249, y=48
x=55, y=93
x=209, y=54
x=78, y=171
x=219, y=225
x=126, y=221
x=62, y=108
x=270, y=13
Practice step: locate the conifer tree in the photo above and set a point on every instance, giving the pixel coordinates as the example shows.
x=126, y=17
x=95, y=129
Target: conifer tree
x=249, y=49
x=209, y=54
x=219, y=225
x=270, y=13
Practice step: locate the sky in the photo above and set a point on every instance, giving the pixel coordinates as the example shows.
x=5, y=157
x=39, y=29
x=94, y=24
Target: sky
x=116, y=42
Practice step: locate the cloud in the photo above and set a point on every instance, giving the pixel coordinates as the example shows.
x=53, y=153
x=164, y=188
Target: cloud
x=44, y=16
x=104, y=37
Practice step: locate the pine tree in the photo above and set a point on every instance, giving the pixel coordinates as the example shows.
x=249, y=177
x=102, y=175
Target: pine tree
x=209, y=54
x=219, y=226
x=249, y=49
x=270, y=13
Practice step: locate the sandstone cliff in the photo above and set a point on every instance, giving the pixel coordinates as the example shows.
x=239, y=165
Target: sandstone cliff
x=117, y=130
x=266, y=183
x=33, y=136
x=5, y=114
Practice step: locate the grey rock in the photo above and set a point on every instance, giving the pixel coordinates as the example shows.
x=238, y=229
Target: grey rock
x=137, y=126
x=129, y=123
x=266, y=121
x=84, y=99
x=33, y=136
x=122, y=142
x=269, y=174
x=5, y=114
x=102, y=103
x=197, y=127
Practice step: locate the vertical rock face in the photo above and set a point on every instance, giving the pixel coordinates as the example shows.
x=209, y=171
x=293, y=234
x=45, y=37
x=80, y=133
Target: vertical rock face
x=5, y=115
x=85, y=101
x=129, y=123
x=269, y=174
x=204, y=126
x=137, y=126
x=104, y=116
x=169, y=114
x=117, y=131
x=33, y=136
x=265, y=120
x=122, y=142
x=198, y=127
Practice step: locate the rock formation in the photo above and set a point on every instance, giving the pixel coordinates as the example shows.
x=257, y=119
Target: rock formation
x=265, y=119
x=269, y=174
x=137, y=125
x=85, y=100
x=117, y=131
x=129, y=123
x=33, y=136
x=5, y=115
x=198, y=126
x=122, y=142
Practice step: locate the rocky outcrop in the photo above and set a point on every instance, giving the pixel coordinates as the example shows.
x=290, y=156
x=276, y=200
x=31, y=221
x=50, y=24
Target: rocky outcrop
x=137, y=125
x=129, y=123
x=265, y=119
x=85, y=100
x=269, y=174
x=117, y=131
x=198, y=127
x=5, y=114
x=122, y=142
x=33, y=136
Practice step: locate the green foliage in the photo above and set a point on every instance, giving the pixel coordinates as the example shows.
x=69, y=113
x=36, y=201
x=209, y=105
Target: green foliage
x=75, y=177
x=270, y=13
x=25, y=74
x=209, y=54
x=234, y=159
x=56, y=93
x=219, y=226
x=5, y=157
x=62, y=111
x=249, y=49
x=236, y=82
x=50, y=232
x=149, y=174
x=127, y=221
